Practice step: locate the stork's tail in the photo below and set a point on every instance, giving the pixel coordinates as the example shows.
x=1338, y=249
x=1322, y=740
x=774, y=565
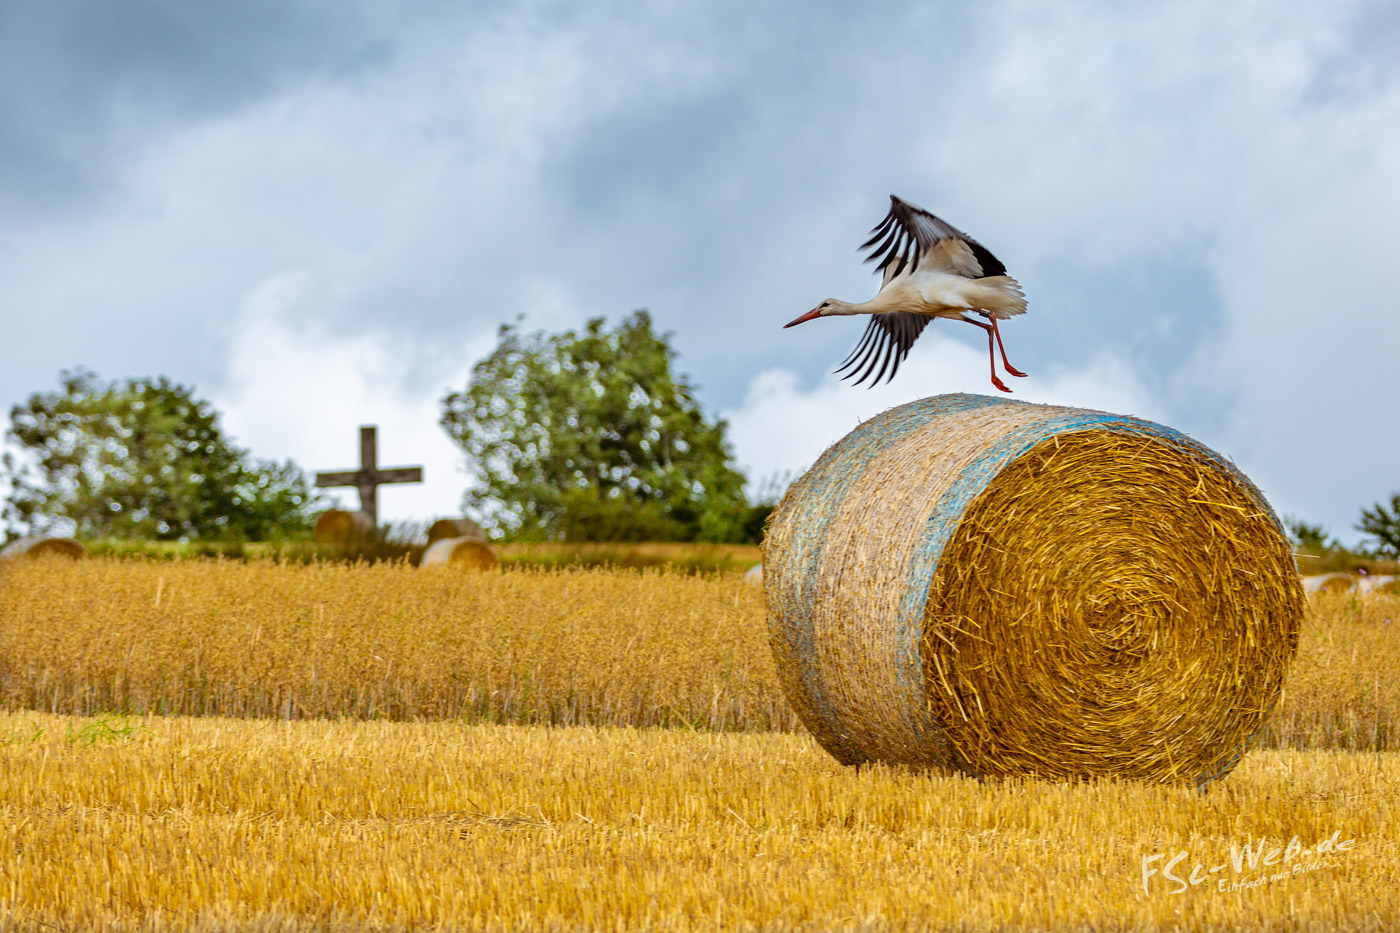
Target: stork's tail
x=1001, y=295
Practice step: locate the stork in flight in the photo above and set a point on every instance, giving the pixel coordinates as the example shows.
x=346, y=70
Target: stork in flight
x=931, y=269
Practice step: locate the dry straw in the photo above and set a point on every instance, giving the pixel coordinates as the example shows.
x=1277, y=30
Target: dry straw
x=211, y=825
x=1005, y=588
x=338, y=526
x=1386, y=585
x=1329, y=583
x=43, y=547
x=463, y=553
x=455, y=528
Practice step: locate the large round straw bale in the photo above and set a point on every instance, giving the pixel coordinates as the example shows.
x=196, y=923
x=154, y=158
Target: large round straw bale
x=1005, y=588
x=455, y=528
x=43, y=547
x=1329, y=583
x=466, y=553
x=338, y=526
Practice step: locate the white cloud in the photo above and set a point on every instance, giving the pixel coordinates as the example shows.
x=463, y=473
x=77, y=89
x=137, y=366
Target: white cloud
x=302, y=391
x=715, y=170
x=1258, y=143
x=783, y=426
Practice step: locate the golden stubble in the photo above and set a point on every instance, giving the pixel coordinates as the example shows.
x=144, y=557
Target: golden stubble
x=205, y=637
x=595, y=647
x=167, y=822
x=178, y=823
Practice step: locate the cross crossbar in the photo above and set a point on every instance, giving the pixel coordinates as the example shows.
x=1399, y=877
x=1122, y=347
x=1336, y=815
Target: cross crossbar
x=368, y=478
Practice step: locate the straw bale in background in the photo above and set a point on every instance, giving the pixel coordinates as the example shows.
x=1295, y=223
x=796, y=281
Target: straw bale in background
x=1377, y=583
x=40, y=547
x=464, y=553
x=455, y=528
x=1329, y=583
x=338, y=526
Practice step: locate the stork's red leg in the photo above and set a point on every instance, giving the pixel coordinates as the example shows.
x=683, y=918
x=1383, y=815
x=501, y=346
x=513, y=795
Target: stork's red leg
x=991, y=352
x=1001, y=346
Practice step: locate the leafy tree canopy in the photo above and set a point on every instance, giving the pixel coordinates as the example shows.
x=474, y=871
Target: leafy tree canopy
x=143, y=459
x=1382, y=525
x=1308, y=537
x=590, y=436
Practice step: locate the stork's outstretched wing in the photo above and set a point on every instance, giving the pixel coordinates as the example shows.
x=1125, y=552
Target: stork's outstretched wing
x=909, y=235
x=887, y=340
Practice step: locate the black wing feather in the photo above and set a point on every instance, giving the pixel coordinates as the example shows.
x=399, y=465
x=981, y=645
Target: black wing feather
x=889, y=336
x=871, y=332
x=913, y=231
x=889, y=351
x=879, y=231
x=989, y=263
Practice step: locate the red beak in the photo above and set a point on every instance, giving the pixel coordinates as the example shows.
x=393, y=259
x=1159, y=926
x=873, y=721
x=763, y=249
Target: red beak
x=814, y=313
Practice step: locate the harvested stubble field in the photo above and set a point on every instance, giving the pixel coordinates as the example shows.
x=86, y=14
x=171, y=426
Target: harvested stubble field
x=302, y=815
x=226, y=638
x=561, y=647
x=218, y=824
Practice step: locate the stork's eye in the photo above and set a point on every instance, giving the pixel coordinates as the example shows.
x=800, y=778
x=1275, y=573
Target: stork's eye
x=826, y=304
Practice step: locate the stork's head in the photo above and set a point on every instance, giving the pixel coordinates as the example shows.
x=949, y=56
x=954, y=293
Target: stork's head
x=825, y=309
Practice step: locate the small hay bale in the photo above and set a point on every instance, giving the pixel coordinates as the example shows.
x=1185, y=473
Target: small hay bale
x=341, y=527
x=754, y=574
x=1004, y=588
x=455, y=528
x=1382, y=584
x=43, y=547
x=465, y=553
x=1329, y=583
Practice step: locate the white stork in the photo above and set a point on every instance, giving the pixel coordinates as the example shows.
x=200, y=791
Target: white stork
x=931, y=269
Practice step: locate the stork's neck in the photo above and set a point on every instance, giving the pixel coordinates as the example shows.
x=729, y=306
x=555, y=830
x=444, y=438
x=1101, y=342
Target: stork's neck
x=877, y=305
x=846, y=307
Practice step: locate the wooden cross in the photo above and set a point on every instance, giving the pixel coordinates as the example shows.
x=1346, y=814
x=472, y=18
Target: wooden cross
x=369, y=477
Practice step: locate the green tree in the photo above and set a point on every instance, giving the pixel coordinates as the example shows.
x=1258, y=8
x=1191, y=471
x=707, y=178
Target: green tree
x=590, y=436
x=143, y=459
x=1382, y=524
x=1308, y=537
x=765, y=500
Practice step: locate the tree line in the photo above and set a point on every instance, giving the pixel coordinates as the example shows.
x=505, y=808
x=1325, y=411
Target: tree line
x=585, y=435
x=571, y=436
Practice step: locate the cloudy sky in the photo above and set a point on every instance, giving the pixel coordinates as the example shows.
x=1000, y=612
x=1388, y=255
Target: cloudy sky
x=318, y=213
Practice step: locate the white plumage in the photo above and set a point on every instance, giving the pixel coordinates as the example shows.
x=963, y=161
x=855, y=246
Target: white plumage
x=930, y=269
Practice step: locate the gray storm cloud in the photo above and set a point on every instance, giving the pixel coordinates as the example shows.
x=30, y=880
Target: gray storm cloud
x=1197, y=198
